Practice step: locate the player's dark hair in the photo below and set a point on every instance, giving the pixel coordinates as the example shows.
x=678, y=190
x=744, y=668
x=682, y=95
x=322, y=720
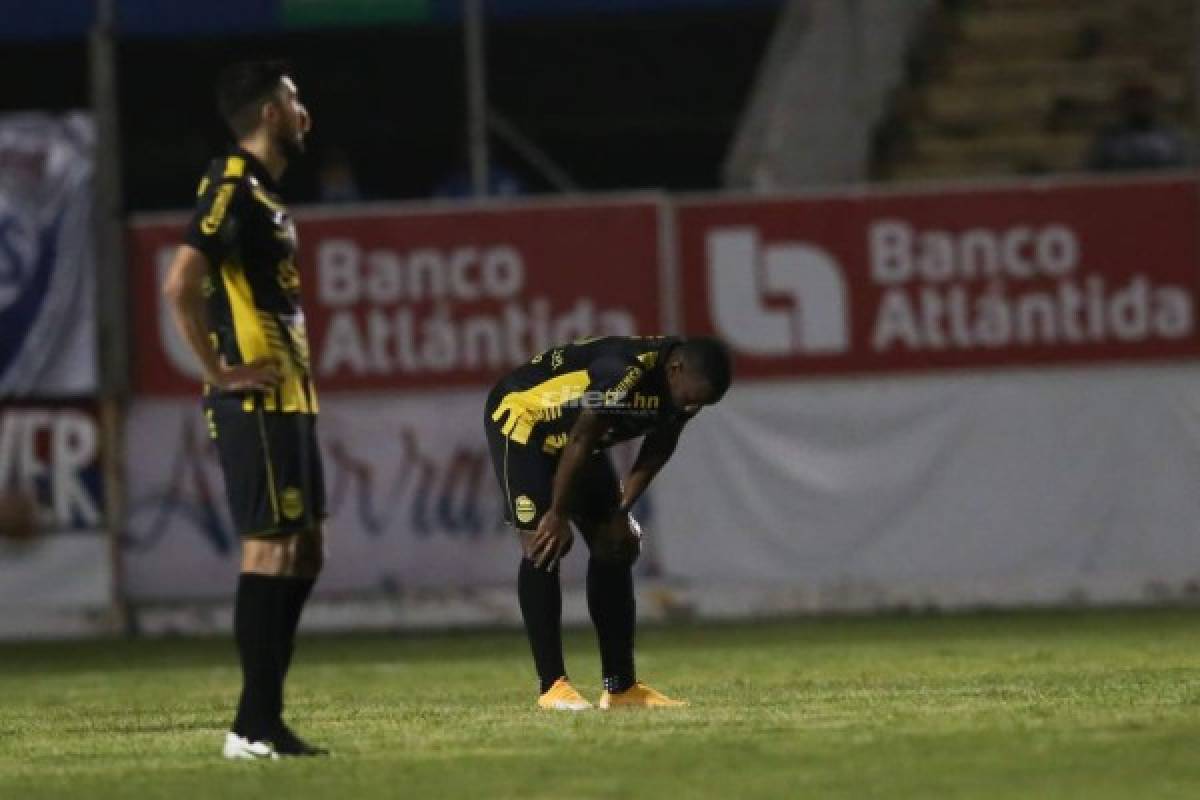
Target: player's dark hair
x=709, y=357
x=242, y=88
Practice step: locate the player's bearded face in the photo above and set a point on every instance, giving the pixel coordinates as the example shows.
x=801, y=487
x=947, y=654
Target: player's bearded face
x=292, y=121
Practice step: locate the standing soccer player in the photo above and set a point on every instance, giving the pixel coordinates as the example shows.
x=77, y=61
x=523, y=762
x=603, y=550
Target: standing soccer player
x=234, y=290
x=548, y=423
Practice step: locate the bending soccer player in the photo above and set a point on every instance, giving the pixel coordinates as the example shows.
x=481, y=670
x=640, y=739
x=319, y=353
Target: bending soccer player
x=234, y=291
x=548, y=424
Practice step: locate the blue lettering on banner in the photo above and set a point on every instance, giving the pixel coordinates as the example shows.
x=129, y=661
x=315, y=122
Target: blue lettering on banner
x=23, y=289
x=424, y=491
x=53, y=455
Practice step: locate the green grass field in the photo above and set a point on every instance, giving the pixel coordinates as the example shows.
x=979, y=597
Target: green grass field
x=1097, y=705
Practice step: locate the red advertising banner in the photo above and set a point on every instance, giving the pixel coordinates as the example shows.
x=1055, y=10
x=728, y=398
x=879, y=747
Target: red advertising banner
x=960, y=278
x=423, y=299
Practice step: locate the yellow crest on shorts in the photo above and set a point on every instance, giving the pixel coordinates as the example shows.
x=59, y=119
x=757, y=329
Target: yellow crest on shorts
x=292, y=503
x=526, y=510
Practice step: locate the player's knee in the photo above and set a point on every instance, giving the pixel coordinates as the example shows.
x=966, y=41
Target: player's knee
x=309, y=554
x=527, y=538
x=624, y=552
x=264, y=557
x=527, y=544
x=620, y=544
x=296, y=555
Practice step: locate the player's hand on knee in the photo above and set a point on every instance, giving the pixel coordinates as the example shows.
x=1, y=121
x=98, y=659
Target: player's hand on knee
x=551, y=541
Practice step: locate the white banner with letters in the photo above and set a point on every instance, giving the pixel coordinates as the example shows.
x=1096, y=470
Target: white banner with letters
x=1031, y=487
x=50, y=457
x=1056, y=487
x=413, y=502
x=47, y=267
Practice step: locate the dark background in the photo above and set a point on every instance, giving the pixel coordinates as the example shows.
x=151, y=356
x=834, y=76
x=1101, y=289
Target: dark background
x=618, y=101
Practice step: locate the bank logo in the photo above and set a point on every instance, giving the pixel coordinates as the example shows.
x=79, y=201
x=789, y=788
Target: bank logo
x=776, y=300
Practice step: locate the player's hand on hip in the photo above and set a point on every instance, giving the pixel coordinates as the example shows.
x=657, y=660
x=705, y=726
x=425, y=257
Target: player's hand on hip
x=264, y=373
x=551, y=541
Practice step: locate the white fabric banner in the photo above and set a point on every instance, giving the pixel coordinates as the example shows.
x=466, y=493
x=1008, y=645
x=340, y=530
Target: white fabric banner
x=1011, y=488
x=47, y=270
x=50, y=456
x=1038, y=487
x=413, y=502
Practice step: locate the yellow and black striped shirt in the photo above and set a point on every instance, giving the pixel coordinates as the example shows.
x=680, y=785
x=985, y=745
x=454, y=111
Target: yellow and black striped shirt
x=253, y=285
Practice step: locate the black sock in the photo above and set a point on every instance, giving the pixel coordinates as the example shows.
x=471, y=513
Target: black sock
x=614, y=613
x=540, y=595
x=295, y=595
x=298, y=590
x=257, y=617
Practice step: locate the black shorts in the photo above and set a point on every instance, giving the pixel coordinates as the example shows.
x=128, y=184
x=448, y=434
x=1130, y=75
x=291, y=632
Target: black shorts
x=272, y=465
x=526, y=477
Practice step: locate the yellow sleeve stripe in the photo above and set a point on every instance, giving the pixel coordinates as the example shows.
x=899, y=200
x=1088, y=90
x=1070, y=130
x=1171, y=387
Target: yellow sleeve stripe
x=544, y=401
x=266, y=451
x=235, y=167
x=212, y=222
x=266, y=200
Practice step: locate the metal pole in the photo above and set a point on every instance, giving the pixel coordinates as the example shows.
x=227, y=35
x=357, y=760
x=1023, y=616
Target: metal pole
x=537, y=158
x=476, y=69
x=112, y=283
x=1193, y=154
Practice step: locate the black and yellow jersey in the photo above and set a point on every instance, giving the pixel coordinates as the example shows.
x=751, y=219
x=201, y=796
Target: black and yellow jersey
x=622, y=377
x=253, y=286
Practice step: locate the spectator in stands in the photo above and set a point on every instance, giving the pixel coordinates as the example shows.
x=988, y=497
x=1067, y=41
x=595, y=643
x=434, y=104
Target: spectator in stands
x=502, y=182
x=335, y=179
x=1138, y=140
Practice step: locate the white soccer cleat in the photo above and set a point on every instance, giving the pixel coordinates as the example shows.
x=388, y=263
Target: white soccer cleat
x=239, y=748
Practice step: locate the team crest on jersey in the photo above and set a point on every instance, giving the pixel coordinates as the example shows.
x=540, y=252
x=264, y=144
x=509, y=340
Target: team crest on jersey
x=525, y=508
x=292, y=503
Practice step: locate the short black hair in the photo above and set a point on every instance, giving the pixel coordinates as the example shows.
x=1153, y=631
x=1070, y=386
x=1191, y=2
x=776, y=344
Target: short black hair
x=243, y=87
x=709, y=357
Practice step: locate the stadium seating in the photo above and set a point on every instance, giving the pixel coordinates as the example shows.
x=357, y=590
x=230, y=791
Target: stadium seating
x=1020, y=86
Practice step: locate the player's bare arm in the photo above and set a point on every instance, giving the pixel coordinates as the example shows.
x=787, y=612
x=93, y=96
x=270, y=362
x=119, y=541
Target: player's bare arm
x=184, y=290
x=553, y=537
x=656, y=451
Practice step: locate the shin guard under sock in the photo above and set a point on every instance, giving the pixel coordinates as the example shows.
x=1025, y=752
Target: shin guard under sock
x=614, y=613
x=540, y=595
x=257, y=617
